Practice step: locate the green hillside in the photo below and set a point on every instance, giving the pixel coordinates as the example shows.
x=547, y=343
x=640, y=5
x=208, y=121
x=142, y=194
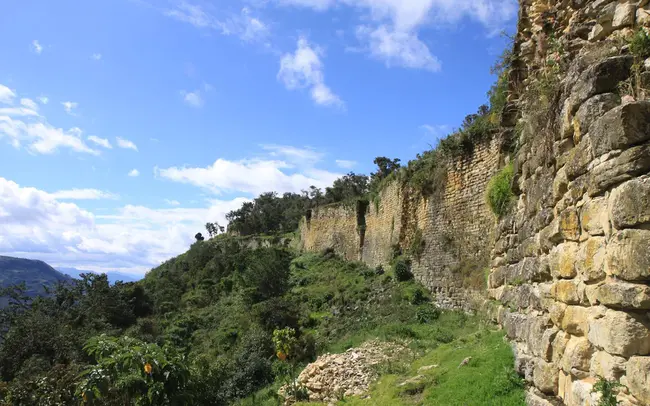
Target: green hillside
x=35, y=274
x=198, y=330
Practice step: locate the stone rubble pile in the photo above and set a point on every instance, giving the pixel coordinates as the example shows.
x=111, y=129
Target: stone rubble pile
x=335, y=376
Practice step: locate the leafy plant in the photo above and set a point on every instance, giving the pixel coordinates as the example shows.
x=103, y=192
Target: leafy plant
x=402, y=269
x=608, y=391
x=499, y=191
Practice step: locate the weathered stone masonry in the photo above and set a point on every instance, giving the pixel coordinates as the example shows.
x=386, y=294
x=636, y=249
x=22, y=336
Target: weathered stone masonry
x=456, y=226
x=571, y=266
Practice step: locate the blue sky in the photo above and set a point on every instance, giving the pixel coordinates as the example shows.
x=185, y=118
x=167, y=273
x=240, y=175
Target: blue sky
x=125, y=125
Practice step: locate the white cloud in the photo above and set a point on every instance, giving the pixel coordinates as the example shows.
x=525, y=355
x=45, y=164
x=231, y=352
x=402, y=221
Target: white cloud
x=35, y=224
x=133, y=173
x=172, y=202
x=255, y=176
x=397, y=48
x=18, y=112
x=96, y=56
x=193, y=99
x=41, y=137
x=70, y=106
x=102, y=142
x=389, y=29
x=83, y=194
x=43, y=99
x=29, y=103
x=243, y=24
x=304, y=69
x=36, y=47
x=6, y=95
x=345, y=164
x=126, y=144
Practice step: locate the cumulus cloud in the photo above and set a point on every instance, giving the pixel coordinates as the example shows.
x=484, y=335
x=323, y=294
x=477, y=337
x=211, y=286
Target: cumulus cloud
x=102, y=142
x=29, y=103
x=69, y=107
x=126, y=144
x=35, y=224
x=282, y=169
x=83, y=194
x=390, y=28
x=304, y=69
x=398, y=48
x=193, y=99
x=6, y=95
x=36, y=47
x=96, y=56
x=43, y=99
x=134, y=173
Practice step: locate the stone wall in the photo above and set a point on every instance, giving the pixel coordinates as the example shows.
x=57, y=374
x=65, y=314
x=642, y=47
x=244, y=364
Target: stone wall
x=455, y=227
x=570, y=269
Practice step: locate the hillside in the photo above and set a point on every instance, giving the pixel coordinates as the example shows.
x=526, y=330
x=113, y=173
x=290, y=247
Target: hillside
x=35, y=274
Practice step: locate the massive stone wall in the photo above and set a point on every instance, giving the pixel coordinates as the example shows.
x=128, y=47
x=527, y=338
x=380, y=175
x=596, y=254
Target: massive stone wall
x=455, y=227
x=571, y=265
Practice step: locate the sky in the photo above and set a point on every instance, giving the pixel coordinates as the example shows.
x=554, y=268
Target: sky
x=126, y=125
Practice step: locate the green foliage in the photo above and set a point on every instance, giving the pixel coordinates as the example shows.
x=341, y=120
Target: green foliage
x=427, y=314
x=129, y=371
x=608, y=391
x=640, y=44
x=402, y=269
x=499, y=191
x=35, y=275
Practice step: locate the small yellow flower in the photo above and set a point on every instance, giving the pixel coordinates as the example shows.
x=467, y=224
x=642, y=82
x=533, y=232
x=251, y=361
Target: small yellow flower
x=147, y=368
x=84, y=397
x=282, y=355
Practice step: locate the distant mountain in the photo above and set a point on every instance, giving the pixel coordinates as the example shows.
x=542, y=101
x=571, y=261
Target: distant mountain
x=112, y=276
x=34, y=273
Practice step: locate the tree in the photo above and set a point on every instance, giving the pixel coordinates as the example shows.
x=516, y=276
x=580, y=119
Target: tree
x=385, y=166
x=348, y=187
x=199, y=237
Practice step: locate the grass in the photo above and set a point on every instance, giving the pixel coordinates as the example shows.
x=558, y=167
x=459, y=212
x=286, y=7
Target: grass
x=349, y=304
x=499, y=191
x=488, y=379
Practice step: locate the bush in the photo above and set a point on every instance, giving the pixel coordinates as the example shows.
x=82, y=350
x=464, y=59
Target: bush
x=427, y=314
x=402, y=270
x=499, y=192
x=640, y=44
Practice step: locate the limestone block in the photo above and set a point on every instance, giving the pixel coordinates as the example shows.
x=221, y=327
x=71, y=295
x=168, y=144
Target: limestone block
x=593, y=216
x=628, y=255
x=577, y=354
x=579, y=158
x=575, y=319
x=560, y=184
x=566, y=291
x=559, y=345
x=624, y=295
x=629, y=164
x=524, y=363
x=643, y=17
x=592, y=109
x=621, y=127
x=582, y=393
x=545, y=377
x=602, y=77
x=591, y=259
x=556, y=312
x=601, y=31
x=562, y=260
x=624, y=15
x=629, y=204
x=638, y=378
x=535, y=398
x=569, y=223
x=620, y=333
x=607, y=366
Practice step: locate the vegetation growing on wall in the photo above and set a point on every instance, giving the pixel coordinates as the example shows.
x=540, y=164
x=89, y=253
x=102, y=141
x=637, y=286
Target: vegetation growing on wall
x=499, y=191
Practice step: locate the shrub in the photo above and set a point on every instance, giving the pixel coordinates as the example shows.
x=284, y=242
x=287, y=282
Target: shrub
x=640, y=44
x=607, y=390
x=499, y=192
x=427, y=314
x=402, y=270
